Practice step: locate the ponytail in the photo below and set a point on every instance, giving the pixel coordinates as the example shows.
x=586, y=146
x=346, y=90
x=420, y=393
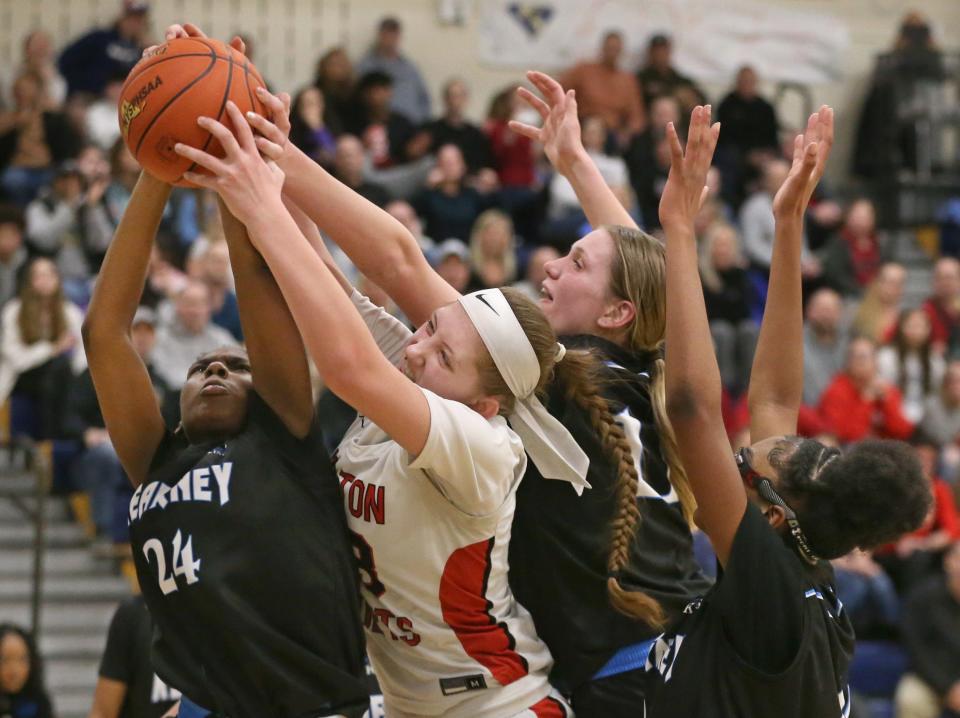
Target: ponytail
x=577, y=375
x=676, y=474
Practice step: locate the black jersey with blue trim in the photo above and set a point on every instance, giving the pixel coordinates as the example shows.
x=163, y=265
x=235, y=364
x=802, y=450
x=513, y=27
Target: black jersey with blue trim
x=561, y=542
x=770, y=639
x=244, y=560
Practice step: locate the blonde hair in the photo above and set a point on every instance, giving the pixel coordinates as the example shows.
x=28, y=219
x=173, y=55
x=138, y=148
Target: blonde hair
x=708, y=273
x=578, y=377
x=509, y=257
x=868, y=320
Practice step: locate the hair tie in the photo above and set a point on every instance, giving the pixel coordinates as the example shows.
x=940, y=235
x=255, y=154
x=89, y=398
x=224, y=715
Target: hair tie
x=561, y=353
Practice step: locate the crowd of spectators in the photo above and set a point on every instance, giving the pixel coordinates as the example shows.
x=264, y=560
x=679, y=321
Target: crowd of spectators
x=487, y=210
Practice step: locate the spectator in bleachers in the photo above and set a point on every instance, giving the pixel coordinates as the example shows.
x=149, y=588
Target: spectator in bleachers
x=97, y=224
x=658, y=77
x=877, y=315
x=536, y=272
x=40, y=347
x=941, y=413
x=13, y=255
x=164, y=278
x=852, y=256
x=405, y=214
x=23, y=693
x=127, y=686
x=211, y=266
x=89, y=62
x=493, y=251
x=55, y=229
x=918, y=555
x=411, y=98
x=647, y=172
x=757, y=226
x=943, y=306
x=513, y=153
x=188, y=335
x=453, y=128
x=868, y=595
x=727, y=293
x=565, y=216
x=348, y=167
x=388, y=137
x=38, y=58
x=858, y=404
x=749, y=136
x=448, y=205
x=124, y=171
x=335, y=79
x=824, y=343
x=308, y=128
x=606, y=90
x=930, y=618
x=911, y=363
x=98, y=469
x=102, y=128
x=451, y=259
x=33, y=140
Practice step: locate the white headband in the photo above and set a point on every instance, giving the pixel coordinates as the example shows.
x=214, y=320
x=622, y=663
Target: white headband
x=548, y=442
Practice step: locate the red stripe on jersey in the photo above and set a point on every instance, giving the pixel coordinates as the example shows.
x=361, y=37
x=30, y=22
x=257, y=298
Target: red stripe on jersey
x=549, y=708
x=463, y=601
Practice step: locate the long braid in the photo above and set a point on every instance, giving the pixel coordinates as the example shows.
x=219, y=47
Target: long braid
x=577, y=377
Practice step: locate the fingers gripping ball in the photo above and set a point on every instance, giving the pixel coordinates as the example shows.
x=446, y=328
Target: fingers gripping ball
x=165, y=94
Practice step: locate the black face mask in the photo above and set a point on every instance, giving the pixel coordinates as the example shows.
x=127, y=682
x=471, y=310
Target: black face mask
x=916, y=35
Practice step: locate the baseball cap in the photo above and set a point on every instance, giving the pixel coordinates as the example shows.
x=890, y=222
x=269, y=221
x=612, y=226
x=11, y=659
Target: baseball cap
x=451, y=247
x=144, y=315
x=135, y=7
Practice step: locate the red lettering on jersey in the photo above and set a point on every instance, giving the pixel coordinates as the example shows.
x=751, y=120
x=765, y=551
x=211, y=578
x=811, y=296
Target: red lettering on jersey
x=366, y=501
x=466, y=609
x=409, y=637
x=384, y=616
x=548, y=708
x=374, y=504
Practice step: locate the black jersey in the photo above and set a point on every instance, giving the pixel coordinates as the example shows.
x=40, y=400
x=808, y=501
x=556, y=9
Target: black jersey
x=561, y=542
x=244, y=560
x=126, y=658
x=770, y=639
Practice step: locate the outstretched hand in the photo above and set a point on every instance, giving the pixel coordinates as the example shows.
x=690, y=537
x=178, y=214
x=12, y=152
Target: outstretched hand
x=273, y=140
x=191, y=30
x=244, y=179
x=686, y=186
x=810, y=152
x=560, y=133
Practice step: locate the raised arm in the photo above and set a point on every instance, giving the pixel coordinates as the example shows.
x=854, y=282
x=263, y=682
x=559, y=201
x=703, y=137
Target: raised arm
x=336, y=337
x=776, y=379
x=560, y=137
x=692, y=376
x=379, y=245
x=126, y=396
x=278, y=361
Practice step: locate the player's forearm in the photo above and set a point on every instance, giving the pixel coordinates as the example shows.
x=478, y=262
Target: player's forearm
x=335, y=336
x=124, y=271
x=692, y=375
x=599, y=202
x=376, y=243
x=776, y=378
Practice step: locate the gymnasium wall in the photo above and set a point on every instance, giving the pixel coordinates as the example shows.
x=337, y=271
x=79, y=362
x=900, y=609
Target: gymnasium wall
x=291, y=34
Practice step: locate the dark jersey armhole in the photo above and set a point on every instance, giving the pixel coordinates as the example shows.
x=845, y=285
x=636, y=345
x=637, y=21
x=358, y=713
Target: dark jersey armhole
x=760, y=596
x=304, y=452
x=172, y=443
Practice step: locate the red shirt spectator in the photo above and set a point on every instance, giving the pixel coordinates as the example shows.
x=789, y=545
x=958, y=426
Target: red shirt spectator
x=512, y=152
x=858, y=405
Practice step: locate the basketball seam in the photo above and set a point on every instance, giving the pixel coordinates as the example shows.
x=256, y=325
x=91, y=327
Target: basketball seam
x=223, y=105
x=149, y=67
x=173, y=99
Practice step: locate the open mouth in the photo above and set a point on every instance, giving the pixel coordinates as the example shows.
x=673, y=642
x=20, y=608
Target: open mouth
x=545, y=293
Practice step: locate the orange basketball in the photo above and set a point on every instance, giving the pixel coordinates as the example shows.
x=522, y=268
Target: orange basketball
x=165, y=94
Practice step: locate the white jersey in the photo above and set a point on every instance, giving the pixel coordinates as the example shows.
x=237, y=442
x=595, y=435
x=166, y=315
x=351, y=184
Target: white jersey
x=444, y=633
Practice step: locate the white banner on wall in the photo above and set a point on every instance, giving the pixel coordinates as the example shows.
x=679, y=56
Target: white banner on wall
x=711, y=39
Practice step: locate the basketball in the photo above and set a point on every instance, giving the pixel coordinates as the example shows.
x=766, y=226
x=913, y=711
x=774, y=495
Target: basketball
x=165, y=93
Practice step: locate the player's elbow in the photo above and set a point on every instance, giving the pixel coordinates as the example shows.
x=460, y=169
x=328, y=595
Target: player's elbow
x=688, y=407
